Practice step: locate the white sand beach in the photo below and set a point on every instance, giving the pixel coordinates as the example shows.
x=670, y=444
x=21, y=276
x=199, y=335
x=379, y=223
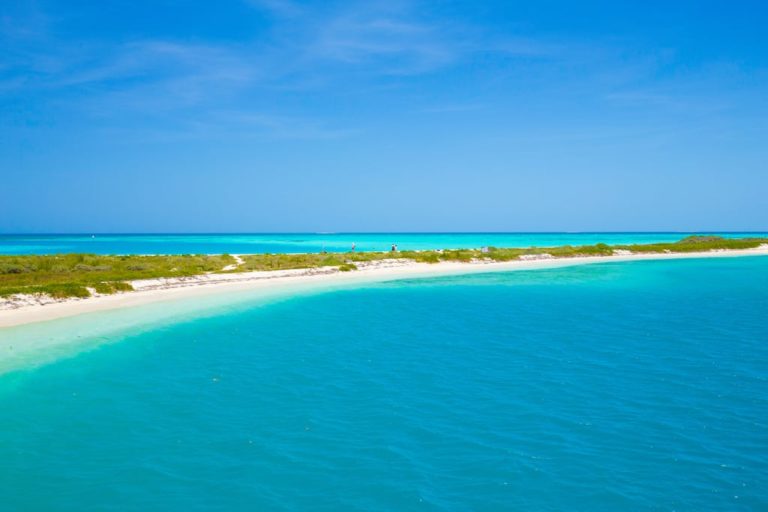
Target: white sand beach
x=25, y=309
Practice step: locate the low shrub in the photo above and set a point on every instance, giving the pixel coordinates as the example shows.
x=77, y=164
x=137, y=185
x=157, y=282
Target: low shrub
x=11, y=268
x=112, y=287
x=82, y=267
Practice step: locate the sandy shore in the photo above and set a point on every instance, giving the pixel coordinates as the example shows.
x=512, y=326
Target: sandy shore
x=20, y=310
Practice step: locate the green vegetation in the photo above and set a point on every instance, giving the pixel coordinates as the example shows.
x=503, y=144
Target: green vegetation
x=70, y=275
x=78, y=275
x=254, y=262
x=698, y=243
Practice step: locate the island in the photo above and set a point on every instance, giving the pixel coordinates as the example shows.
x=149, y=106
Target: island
x=31, y=284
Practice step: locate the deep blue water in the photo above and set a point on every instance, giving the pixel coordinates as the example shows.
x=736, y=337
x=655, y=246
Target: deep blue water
x=617, y=386
x=311, y=242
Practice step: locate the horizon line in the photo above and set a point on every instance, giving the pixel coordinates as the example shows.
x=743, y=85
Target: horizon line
x=187, y=233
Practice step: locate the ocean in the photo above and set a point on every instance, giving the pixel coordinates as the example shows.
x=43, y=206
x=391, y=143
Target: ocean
x=313, y=242
x=615, y=386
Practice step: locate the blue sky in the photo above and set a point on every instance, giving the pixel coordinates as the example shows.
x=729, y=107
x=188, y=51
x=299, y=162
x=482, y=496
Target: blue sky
x=273, y=115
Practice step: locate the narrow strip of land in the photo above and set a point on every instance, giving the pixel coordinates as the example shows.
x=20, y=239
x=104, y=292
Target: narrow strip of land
x=23, y=308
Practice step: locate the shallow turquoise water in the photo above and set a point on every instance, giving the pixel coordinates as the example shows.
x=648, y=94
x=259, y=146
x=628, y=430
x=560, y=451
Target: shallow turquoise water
x=311, y=242
x=617, y=386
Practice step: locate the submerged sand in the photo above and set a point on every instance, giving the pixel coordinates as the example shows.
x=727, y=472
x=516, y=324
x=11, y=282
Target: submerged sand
x=20, y=310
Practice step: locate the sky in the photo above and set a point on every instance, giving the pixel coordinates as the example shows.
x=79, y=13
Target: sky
x=288, y=116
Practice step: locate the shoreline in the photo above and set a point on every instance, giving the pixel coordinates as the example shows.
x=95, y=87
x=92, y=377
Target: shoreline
x=29, y=309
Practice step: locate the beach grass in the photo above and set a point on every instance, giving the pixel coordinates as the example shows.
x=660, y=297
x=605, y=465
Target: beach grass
x=71, y=275
x=80, y=275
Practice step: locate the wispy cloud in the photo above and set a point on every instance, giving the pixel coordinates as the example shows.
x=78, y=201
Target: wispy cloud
x=145, y=60
x=367, y=39
x=392, y=45
x=307, y=50
x=281, y=8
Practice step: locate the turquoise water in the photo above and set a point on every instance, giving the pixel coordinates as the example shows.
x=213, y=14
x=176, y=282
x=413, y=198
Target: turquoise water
x=616, y=386
x=311, y=242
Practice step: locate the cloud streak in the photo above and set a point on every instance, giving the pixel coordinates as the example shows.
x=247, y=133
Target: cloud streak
x=304, y=51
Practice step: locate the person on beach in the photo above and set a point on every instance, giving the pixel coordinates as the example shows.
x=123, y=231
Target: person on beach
x=394, y=248
x=353, y=246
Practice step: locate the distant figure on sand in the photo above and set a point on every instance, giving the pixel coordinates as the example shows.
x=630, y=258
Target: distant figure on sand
x=394, y=247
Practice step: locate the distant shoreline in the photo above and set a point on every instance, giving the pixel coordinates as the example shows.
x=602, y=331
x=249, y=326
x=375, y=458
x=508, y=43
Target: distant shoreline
x=25, y=310
x=133, y=244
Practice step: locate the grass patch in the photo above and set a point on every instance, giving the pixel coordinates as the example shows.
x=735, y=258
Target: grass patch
x=109, y=288
x=69, y=275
